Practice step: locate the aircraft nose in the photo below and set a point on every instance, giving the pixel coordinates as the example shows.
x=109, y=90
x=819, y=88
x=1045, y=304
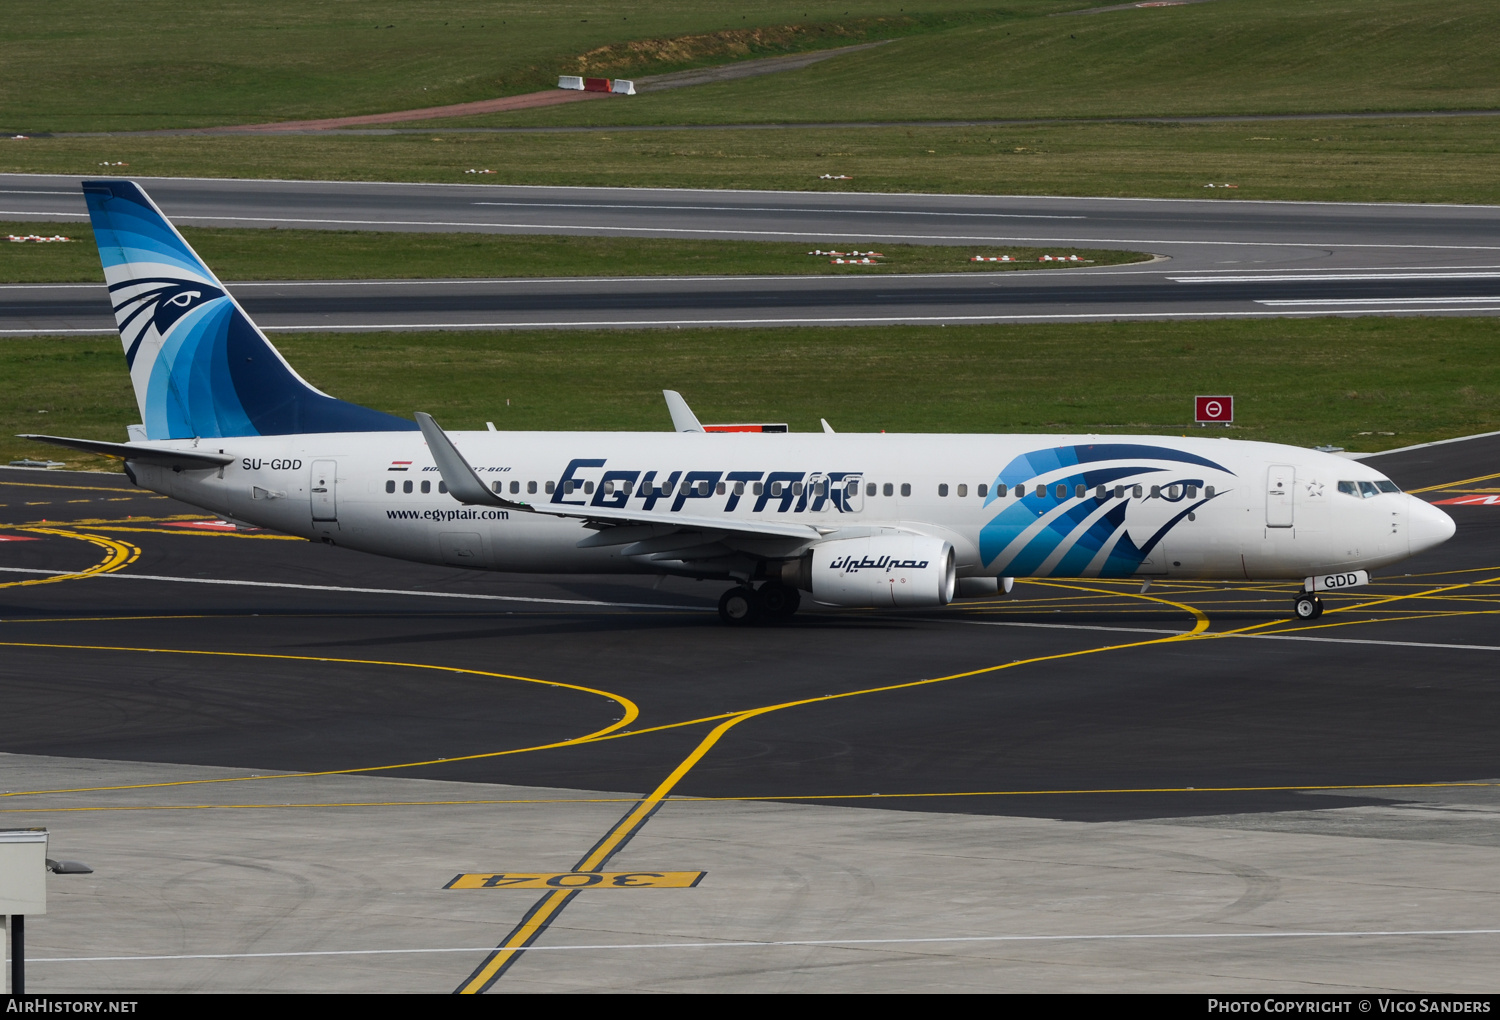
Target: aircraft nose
x=1429, y=526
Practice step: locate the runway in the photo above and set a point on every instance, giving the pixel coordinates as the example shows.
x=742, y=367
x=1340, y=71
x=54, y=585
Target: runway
x=1221, y=258
x=877, y=800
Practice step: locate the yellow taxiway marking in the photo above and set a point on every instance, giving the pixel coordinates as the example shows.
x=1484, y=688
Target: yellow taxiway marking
x=117, y=556
x=631, y=712
x=541, y=914
x=187, y=531
x=1453, y=485
x=75, y=488
x=683, y=799
x=579, y=880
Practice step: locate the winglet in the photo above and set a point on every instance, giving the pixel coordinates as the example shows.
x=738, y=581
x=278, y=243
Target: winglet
x=826, y=427
x=683, y=418
x=463, y=484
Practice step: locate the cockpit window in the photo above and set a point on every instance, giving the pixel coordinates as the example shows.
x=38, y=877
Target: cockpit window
x=1367, y=489
x=1384, y=485
x=1364, y=490
x=1349, y=488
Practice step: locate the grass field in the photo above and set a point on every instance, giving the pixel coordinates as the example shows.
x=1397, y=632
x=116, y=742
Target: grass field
x=84, y=65
x=1364, y=384
x=1226, y=57
x=1400, y=159
x=239, y=254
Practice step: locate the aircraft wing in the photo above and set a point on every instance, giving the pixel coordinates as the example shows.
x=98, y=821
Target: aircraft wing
x=652, y=530
x=189, y=460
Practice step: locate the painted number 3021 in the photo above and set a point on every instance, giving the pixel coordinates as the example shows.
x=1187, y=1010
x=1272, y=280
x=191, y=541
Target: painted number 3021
x=578, y=880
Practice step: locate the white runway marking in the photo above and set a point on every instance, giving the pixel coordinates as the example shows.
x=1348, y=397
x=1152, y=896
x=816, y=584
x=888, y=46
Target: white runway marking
x=800, y=234
x=1305, y=277
x=804, y=210
x=705, y=609
x=1210, y=635
x=1341, y=302
x=365, y=591
x=793, y=943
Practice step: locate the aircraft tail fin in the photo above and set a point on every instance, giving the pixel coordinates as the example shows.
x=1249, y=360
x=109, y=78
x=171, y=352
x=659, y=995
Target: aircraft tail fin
x=199, y=365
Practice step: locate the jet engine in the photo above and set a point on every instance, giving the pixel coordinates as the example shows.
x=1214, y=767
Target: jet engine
x=882, y=571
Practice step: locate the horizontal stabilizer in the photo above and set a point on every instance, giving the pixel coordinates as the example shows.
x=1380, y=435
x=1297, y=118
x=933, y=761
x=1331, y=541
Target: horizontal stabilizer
x=188, y=460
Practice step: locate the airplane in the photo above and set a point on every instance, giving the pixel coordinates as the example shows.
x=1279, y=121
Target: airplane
x=871, y=520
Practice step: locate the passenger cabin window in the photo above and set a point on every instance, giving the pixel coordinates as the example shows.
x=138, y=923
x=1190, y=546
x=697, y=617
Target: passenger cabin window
x=1020, y=490
x=426, y=486
x=906, y=488
x=531, y=487
x=739, y=488
x=1174, y=491
x=776, y=488
x=889, y=489
x=551, y=487
x=1135, y=491
x=1041, y=490
x=982, y=490
x=870, y=488
x=442, y=486
x=760, y=487
x=497, y=486
x=390, y=486
x=720, y=490
x=1208, y=491
x=1061, y=492
x=1080, y=491
x=588, y=487
x=1156, y=492
x=1192, y=492
x=963, y=490
x=1100, y=492
x=1119, y=492
x=943, y=489
x=406, y=486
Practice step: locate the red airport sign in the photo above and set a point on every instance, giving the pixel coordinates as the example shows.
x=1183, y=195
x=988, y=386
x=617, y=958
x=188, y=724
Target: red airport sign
x=1213, y=409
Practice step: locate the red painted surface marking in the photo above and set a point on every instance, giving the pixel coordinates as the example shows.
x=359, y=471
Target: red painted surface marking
x=19, y=538
x=1469, y=501
x=202, y=525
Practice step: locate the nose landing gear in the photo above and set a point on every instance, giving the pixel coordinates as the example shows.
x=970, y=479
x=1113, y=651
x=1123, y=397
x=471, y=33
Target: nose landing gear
x=1308, y=606
x=774, y=602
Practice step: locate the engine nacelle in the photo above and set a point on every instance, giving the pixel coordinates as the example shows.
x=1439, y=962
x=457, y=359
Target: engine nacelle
x=882, y=571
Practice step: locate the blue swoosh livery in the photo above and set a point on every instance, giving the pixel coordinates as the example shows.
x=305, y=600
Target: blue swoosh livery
x=200, y=367
x=1091, y=534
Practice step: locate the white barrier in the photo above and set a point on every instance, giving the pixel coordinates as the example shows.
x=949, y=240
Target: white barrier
x=568, y=81
x=621, y=87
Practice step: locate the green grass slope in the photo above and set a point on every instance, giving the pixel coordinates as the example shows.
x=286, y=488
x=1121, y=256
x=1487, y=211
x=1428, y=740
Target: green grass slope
x=85, y=65
x=1225, y=57
x=107, y=65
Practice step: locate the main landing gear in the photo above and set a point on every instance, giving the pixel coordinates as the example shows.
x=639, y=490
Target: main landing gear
x=773, y=602
x=1308, y=606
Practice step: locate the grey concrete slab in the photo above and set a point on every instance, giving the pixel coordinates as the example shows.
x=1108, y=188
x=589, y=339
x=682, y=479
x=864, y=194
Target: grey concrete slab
x=252, y=886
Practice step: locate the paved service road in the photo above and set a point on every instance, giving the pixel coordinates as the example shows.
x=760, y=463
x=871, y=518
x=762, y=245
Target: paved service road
x=1221, y=258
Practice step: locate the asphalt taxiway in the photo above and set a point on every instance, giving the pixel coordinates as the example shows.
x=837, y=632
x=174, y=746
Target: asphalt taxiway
x=276, y=755
x=1219, y=258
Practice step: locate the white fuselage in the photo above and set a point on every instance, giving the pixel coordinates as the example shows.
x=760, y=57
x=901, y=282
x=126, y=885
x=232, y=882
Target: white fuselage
x=1142, y=506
